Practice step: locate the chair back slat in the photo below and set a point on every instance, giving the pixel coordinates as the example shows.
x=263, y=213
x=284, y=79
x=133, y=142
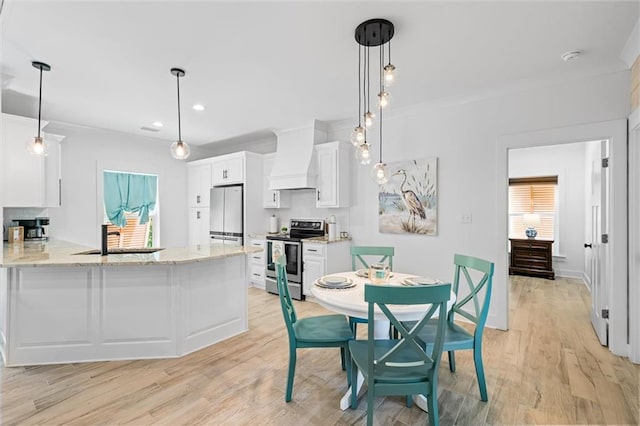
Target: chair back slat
x=288, y=310
x=481, y=307
x=408, y=342
x=358, y=260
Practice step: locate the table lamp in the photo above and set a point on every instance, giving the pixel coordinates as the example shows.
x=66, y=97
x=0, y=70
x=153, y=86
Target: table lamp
x=531, y=220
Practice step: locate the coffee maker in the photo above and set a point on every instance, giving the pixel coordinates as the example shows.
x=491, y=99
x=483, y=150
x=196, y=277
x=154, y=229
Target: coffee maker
x=34, y=229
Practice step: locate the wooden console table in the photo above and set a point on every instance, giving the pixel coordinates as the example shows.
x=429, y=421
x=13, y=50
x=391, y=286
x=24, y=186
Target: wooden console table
x=531, y=257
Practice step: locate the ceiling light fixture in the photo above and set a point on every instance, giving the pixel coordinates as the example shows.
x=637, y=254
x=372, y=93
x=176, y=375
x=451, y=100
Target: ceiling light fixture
x=157, y=124
x=179, y=149
x=567, y=56
x=199, y=107
x=39, y=145
x=372, y=33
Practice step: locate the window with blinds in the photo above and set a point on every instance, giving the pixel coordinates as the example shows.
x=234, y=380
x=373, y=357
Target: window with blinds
x=533, y=195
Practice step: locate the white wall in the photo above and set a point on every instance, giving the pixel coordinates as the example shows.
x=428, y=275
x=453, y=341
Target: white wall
x=566, y=161
x=464, y=137
x=86, y=153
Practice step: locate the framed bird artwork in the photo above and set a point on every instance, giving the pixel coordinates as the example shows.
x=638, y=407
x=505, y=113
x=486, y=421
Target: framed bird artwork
x=408, y=202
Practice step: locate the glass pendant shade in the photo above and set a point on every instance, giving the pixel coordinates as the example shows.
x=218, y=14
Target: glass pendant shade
x=380, y=173
x=383, y=99
x=368, y=118
x=357, y=136
x=363, y=154
x=389, y=74
x=37, y=146
x=180, y=150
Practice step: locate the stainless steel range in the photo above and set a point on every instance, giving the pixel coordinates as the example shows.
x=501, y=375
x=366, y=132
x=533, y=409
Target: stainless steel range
x=291, y=246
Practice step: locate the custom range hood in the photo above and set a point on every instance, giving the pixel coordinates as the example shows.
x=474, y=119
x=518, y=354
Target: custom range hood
x=294, y=166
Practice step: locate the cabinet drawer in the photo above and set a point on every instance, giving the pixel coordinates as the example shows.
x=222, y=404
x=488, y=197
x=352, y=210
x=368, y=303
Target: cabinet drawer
x=257, y=274
x=258, y=259
x=527, y=245
x=313, y=249
x=531, y=255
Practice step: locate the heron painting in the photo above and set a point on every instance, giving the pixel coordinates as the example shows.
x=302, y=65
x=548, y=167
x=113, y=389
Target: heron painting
x=408, y=202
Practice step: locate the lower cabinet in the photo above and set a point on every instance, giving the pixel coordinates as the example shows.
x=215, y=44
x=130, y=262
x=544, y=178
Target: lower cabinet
x=257, y=263
x=198, y=225
x=319, y=259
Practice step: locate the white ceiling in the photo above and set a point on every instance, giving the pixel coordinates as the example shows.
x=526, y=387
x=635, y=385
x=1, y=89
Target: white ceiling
x=275, y=65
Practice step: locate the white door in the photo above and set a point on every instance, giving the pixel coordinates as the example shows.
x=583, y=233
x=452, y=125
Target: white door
x=598, y=262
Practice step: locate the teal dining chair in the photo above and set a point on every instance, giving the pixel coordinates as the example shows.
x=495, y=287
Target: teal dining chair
x=325, y=331
x=405, y=365
x=361, y=257
x=456, y=337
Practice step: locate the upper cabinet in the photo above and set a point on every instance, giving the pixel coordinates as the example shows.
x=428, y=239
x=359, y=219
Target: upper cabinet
x=272, y=198
x=334, y=174
x=228, y=169
x=199, y=184
x=31, y=181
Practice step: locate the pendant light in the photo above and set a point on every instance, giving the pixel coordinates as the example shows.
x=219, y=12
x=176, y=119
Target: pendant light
x=375, y=33
x=179, y=149
x=39, y=145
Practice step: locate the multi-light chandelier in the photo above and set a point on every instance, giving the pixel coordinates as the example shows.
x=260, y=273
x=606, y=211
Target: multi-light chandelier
x=372, y=33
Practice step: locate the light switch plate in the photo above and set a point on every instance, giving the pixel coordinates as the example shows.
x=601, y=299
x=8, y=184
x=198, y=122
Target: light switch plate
x=465, y=218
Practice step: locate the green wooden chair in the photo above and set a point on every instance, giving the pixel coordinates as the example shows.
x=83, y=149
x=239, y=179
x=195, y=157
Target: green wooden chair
x=361, y=258
x=404, y=366
x=456, y=337
x=326, y=331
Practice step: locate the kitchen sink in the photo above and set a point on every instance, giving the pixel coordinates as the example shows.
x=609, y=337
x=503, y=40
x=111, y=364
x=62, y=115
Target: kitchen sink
x=141, y=250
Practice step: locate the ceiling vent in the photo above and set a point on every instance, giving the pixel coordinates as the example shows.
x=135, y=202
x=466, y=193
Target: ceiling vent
x=149, y=129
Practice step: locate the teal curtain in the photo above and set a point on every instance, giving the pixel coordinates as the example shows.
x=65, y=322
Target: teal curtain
x=127, y=192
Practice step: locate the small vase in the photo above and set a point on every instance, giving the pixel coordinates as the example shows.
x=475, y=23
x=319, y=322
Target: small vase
x=531, y=233
x=379, y=273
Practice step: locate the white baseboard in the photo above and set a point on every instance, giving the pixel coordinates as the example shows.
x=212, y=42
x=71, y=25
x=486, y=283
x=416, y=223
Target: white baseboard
x=569, y=274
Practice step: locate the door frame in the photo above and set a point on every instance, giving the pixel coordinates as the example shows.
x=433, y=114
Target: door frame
x=616, y=132
x=634, y=235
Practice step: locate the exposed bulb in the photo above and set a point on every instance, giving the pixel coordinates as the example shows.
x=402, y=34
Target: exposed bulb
x=368, y=119
x=380, y=173
x=38, y=146
x=357, y=136
x=389, y=74
x=180, y=150
x=383, y=99
x=363, y=154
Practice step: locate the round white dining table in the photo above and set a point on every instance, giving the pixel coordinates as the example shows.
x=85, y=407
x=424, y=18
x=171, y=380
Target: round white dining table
x=350, y=301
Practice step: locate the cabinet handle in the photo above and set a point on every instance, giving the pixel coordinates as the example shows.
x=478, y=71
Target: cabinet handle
x=256, y=275
x=224, y=174
x=317, y=195
x=197, y=199
x=274, y=197
x=59, y=192
x=313, y=250
x=197, y=215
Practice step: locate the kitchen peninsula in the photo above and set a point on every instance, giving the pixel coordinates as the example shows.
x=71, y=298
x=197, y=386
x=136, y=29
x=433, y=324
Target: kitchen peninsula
x=57, y=306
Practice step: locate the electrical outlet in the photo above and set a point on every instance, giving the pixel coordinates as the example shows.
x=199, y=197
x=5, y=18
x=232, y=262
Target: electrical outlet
x=465, y=218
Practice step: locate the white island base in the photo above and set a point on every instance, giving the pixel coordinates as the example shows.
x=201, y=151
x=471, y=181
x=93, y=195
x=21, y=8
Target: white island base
x=62, y=314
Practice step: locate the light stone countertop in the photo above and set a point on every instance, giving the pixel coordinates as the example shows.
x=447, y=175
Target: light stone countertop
x=326, y=240
x=61, y=253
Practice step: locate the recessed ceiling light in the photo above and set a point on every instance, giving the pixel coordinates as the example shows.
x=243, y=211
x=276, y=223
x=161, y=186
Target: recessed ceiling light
x=198, y=107
x=572, y=54
x=157, y=124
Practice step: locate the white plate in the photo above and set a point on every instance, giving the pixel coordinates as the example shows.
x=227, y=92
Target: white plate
x=336, y=286
x=420, y=281
x=334, y=280
x=362, y=273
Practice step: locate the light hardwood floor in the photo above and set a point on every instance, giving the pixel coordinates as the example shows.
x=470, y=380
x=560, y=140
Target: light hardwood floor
x=547, y=369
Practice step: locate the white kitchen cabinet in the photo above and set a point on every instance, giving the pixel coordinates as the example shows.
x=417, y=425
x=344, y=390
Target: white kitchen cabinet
x=199, y=184
x=227, y=169
x=273, y=198
x=257, y=263
x=321, y=259
x=198, y=225
x=334, y=175
x=31, y=181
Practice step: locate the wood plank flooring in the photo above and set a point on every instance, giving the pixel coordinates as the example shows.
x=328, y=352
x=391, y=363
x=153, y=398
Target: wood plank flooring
x=547, y=369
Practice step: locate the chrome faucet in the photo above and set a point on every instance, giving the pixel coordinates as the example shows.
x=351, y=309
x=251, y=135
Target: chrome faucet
x=105, y=236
